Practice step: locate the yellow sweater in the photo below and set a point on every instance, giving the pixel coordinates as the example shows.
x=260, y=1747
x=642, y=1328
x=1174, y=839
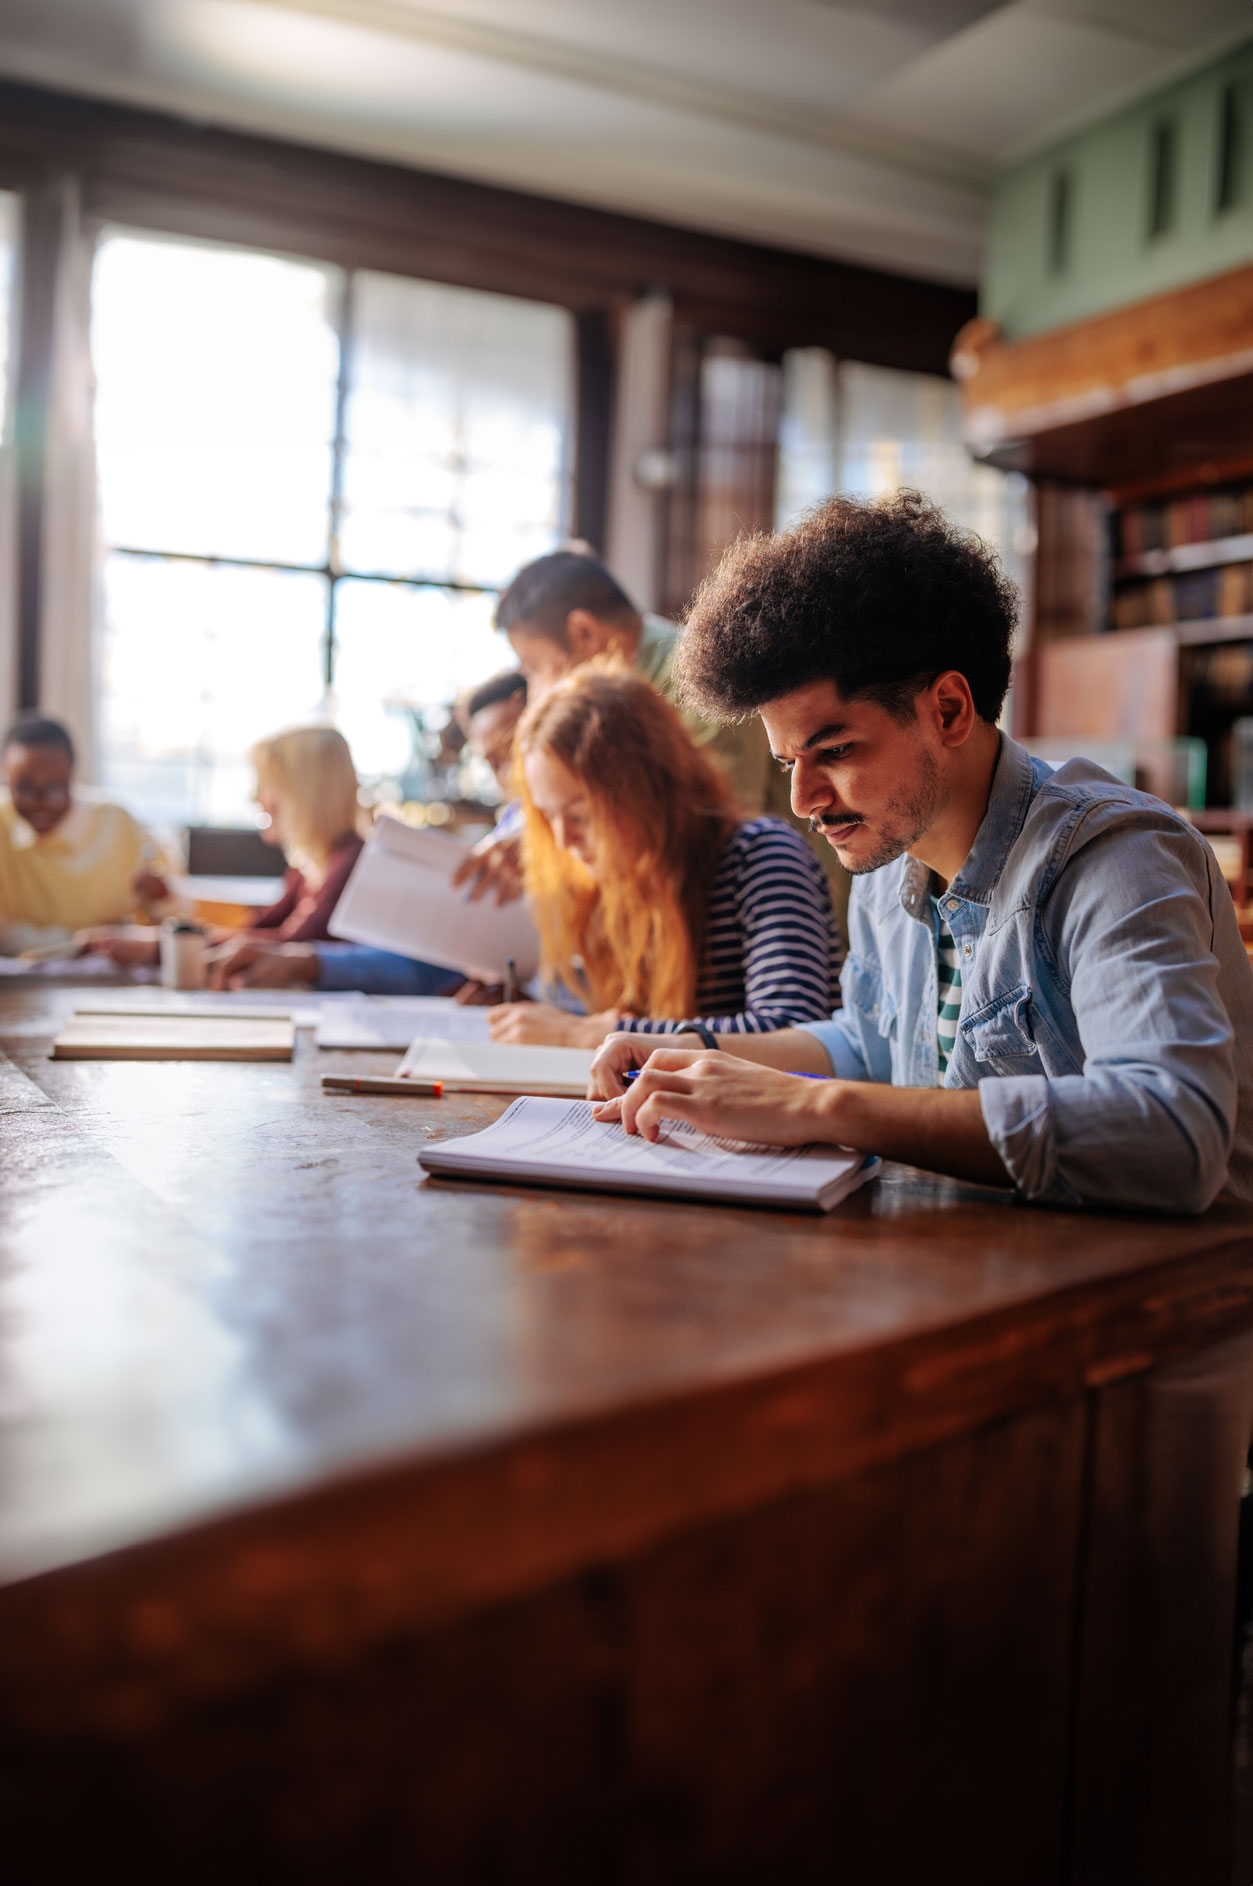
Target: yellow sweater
x=79, y=874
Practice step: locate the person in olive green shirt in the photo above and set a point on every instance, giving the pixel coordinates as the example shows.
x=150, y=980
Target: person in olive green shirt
x=566, y=608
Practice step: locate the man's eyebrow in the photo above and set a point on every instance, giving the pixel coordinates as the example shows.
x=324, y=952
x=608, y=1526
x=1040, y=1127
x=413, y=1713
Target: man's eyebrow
x=833, y=728
x=824, y=733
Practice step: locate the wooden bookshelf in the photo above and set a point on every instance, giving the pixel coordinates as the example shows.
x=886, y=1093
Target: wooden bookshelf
x=1209, y=629
x=1137, y=429
x=1183, y=557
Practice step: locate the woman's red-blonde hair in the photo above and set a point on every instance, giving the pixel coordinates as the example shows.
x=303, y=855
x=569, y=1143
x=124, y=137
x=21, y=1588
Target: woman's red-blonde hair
x=659, y=814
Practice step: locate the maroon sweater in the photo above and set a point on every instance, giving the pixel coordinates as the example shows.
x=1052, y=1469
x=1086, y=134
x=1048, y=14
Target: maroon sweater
x=302, y=916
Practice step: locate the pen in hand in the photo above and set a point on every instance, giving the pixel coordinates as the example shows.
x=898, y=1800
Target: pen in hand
x=510, y=991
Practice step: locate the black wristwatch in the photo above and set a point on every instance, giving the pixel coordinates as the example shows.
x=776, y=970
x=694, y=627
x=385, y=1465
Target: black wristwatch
x=708, y=1039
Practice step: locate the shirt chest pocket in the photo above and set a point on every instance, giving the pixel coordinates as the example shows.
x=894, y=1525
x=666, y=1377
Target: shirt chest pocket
x=999, y=1034
x=862, y=989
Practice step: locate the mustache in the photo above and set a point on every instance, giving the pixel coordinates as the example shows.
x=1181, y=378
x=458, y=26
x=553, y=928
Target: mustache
x=823, y=822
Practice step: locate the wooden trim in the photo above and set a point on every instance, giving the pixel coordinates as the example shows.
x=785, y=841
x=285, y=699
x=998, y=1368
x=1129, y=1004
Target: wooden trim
x=1151, y=350
x=164, y=173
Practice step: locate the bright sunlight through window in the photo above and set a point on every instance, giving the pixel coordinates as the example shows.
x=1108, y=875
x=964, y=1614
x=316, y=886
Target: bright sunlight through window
x=311, y=484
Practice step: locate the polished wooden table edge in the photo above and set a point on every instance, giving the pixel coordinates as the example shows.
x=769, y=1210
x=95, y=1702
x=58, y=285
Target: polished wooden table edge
x=415, y=1541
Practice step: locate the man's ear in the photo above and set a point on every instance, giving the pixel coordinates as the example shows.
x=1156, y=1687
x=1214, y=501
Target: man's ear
x=954, y=708
x=586, y=635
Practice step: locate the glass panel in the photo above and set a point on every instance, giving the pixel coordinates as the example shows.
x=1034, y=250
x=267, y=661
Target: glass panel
x=402, y=655
x=458, y=424
x=215, y=405
x=869, y=430
x=197, y=661
x=8, y=251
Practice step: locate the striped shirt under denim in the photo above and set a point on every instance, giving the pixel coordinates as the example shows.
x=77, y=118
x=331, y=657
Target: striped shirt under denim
x=948, y=977
x=772, y=948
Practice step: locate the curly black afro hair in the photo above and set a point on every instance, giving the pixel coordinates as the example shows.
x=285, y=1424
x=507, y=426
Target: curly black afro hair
x=877, y=597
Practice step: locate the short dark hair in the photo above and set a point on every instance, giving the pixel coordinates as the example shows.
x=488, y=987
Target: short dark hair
x=501, y=687
x=877, y=597
x=36, y=730
x=543, y=593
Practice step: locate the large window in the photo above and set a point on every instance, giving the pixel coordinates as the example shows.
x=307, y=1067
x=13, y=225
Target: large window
x=311, y=485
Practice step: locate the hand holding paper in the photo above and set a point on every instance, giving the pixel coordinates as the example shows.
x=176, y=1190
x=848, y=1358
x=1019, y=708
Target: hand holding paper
x=402, y=896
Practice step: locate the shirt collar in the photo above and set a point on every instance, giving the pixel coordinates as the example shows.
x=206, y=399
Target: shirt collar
x=1013, y=787
x=68, y=835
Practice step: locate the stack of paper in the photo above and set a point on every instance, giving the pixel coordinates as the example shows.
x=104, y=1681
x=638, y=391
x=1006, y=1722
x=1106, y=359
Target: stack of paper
x=172, y=1037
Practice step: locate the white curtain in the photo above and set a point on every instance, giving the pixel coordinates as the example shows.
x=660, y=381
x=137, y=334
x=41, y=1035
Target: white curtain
x=70, y=584
x=639, y=470
x=8, y=481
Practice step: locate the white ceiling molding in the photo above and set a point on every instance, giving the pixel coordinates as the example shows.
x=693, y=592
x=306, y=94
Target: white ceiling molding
x=864, y=130
x=650, y=85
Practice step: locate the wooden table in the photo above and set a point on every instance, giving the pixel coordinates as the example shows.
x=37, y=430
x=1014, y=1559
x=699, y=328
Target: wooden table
x=363, y=1528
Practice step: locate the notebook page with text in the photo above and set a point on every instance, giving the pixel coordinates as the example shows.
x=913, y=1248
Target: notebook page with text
x=562, y=1143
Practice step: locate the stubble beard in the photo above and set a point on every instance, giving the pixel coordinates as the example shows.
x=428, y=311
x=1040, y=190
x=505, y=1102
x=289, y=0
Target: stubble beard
x=904, y=820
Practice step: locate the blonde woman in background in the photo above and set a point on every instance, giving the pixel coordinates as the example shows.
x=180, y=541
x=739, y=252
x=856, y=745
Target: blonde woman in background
x=307, y=788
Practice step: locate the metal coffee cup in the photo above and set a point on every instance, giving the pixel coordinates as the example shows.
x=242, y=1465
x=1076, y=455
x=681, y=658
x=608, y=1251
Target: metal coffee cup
x=182, y=955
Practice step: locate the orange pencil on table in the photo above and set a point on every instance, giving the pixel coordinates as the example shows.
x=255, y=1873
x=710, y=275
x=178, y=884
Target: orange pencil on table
x=382, y=1084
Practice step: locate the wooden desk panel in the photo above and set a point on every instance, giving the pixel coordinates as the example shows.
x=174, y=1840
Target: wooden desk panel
x=294, y=1439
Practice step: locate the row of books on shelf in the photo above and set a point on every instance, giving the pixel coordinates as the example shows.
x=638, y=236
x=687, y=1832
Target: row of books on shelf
x=1196, y=519
x=1194, y=597
x=1223, y=677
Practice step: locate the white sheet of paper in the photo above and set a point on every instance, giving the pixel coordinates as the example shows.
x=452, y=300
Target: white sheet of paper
x=500, y=1067
x=562, y=1141
x=400, y=897
x=54, y=968
x=393, y=1021
x=306, y=1010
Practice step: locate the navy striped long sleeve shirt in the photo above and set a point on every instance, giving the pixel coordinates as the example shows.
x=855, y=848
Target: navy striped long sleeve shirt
x=772, y=949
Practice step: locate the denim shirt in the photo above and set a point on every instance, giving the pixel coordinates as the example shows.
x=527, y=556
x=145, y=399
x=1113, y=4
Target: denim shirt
x=1107, y=997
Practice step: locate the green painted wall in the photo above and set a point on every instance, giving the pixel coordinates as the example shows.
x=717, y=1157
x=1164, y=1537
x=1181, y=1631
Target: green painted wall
x=1111, y=257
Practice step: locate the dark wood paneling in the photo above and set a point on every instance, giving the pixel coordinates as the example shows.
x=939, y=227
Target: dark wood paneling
x=42, y=210
x=877, y=1670
x=165, y=173
x=593, y=428
x=1158, y=1670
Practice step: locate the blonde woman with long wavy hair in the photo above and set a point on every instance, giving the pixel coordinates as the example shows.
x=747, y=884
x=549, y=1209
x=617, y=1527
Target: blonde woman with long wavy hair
x=656, y=902
x=307, y=789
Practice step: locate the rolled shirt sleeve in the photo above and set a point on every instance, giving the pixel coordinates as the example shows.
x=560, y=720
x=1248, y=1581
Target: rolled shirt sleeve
x=1148, y=1123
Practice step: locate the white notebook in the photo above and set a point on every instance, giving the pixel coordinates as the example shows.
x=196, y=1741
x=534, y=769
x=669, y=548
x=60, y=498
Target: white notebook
x=400, y=897
x=554, y=1142
x=393, y=1021
x=495, y=1067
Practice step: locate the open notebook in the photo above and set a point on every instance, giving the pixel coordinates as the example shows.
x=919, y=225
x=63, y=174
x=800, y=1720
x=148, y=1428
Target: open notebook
x=554, y=1142
x=494, y=1067
x=400, y=897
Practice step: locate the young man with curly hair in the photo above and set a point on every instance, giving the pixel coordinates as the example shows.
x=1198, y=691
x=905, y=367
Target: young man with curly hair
x=1046, y=985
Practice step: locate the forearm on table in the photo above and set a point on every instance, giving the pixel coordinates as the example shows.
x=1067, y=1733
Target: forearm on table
x=941, y=1130
x=794, y=1050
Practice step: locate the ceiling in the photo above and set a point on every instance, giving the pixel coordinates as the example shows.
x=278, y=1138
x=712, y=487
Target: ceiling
x=862, y=129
